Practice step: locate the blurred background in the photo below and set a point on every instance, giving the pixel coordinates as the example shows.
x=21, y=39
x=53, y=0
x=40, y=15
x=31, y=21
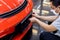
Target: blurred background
x=42, y=7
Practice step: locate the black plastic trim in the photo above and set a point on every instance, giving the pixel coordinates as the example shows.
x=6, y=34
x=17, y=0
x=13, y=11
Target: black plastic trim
x=19, y=28
x=15, y=11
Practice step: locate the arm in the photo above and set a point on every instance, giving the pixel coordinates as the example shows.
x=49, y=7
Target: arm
x=48, y=28
x=48, y=18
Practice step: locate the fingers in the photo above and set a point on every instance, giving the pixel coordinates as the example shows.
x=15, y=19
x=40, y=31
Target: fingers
x=30, y=19
x=33, y=19
x=33, y=14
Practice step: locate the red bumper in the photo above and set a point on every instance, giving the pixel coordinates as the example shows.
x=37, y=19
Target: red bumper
x=7, y=25
x=20, y=36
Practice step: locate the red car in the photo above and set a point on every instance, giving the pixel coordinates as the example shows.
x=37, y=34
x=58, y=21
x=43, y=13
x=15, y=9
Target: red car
x=14, y=19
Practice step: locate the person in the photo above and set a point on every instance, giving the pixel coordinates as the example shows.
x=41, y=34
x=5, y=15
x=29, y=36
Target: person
x=53, y=11
x=53, y=8
x=52, y=30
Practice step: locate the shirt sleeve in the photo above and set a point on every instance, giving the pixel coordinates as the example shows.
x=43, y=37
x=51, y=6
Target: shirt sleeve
x=56, y=23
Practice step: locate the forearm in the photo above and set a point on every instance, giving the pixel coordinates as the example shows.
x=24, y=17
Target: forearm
x=45, y=26
x=48, y=18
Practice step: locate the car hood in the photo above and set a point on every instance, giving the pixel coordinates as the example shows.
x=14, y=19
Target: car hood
x=9, y=5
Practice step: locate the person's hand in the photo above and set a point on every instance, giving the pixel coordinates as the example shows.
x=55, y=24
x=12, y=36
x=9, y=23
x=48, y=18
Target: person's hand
x=35, y=15
x=33, y=19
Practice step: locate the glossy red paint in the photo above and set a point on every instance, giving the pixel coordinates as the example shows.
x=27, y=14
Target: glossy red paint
x=8, y=5
x=20, y=36
x=7, y=25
